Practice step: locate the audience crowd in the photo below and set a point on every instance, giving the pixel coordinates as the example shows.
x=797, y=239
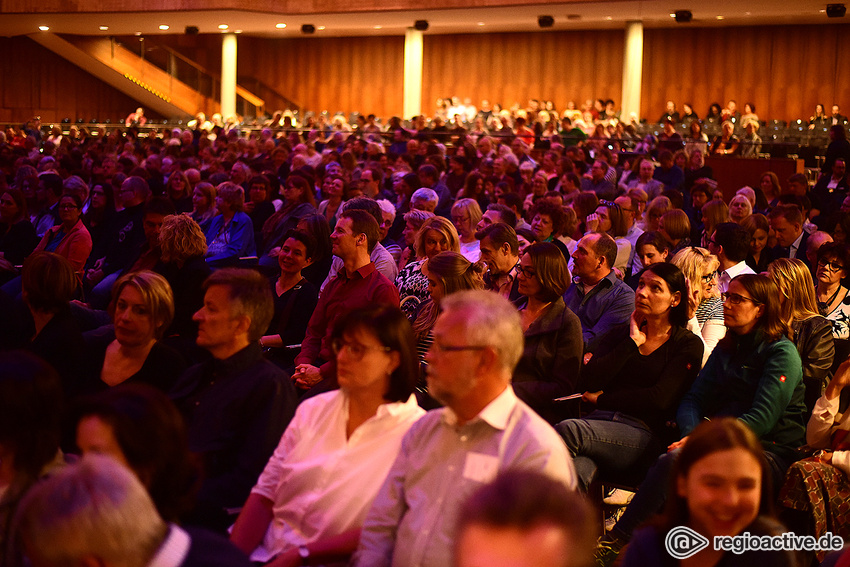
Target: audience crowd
x=330, y=350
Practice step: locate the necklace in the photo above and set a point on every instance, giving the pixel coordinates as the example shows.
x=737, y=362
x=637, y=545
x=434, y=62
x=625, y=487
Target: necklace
x=823, y=308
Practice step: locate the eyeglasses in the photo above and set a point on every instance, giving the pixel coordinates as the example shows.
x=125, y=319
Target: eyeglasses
x=437, y=347
x=356, y=350
x=67, y=207
x=736, y=299
x=526, y=272
x=834, y=266
x=709, y=277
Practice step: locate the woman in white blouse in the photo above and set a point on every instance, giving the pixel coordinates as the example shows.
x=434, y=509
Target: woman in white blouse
x=311, y=499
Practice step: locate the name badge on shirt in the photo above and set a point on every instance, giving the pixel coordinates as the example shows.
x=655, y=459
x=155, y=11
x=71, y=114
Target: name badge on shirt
x=480, y=467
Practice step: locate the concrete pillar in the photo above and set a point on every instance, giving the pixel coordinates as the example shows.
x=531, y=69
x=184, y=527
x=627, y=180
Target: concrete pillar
x=228, y=75
x=632, y=71
x=412, y=73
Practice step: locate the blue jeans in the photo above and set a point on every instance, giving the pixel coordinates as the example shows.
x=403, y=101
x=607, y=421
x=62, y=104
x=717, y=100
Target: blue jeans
x=606, y=440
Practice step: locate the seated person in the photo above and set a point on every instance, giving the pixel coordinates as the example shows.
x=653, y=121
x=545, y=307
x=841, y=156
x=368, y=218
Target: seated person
x=142, y=308
x=637, y=384
x=294, y=297
x=817, y=488
x=722, y=462
x=551, y=358
x=313, y=495
x=528, y=519
x=125, y=238
x=237, y=404
x=138, y=426
x=602, y=302
x=230, y=235
x=500, y=251
x=754, y=374
x=435, y=235
x=705, y=307
x=47, y=328
x=97, y=512
x=31, y=409
x=357, y=284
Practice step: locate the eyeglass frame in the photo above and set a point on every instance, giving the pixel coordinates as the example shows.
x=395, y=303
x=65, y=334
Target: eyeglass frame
x=337, y=345
x=737, y=299
x=830, y=265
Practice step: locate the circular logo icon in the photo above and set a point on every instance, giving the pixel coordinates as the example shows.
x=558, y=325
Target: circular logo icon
x=683, y=542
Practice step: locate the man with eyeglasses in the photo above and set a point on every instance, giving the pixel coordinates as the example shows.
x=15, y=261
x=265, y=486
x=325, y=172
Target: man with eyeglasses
x=452, y=451
x=629, y=206
x=730, y=242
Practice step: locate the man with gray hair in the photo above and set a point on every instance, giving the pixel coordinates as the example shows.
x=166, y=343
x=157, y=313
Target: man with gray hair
x=97, y=512
x=424, y=199
x=452, y=451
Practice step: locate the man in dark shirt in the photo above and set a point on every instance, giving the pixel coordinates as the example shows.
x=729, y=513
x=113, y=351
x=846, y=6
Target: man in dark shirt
x=357, y=284
x=237, y=404
x=597, y=183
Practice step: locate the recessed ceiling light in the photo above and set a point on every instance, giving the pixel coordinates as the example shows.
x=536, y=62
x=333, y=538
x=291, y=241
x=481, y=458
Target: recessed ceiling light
x=822, y=11
x=376, y=27
x=223, y=26
x=237, y=31
x=480, y=23
x=138, y=33
x=609, y=18
x=747, y=13
x=672, y=15
x=720, y=18
x=280, y=26
x=163, y=27
x=44, y=28
x=320, y=28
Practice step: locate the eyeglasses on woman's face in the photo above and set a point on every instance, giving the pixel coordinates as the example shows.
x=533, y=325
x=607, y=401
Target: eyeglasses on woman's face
x=736, y=299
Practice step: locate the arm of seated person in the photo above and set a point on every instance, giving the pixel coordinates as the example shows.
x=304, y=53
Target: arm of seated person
x=252, y=523
x=331, y=549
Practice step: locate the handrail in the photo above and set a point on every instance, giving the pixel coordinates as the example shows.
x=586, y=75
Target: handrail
x=253, y=99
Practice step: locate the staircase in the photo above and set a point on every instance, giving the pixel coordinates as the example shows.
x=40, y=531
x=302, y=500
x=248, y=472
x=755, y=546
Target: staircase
x=155, y=88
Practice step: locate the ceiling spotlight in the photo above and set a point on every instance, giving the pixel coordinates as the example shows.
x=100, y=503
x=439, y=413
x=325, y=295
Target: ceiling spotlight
x=376, y=27
x=163, y=27
x=480, y=23
x=609, y=18
x=421, y=25
x=308, y=28
x=104, y=28
x=280, y=26
x=320, y=28
x=44, y=28
x=237, y=31
x=835, y=10
x=545, y=21
x=138, y=33
x=683, y=16
x=720, y=18
x=223, y=26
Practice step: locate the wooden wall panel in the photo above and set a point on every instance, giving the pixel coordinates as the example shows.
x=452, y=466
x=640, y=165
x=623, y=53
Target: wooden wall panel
x=335, y=74
x=33, y=80
x=783, y=70
x=515, y=67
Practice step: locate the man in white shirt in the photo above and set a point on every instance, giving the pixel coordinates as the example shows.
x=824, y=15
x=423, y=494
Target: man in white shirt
x=451, y=452
x=630, y=207
x=730, y=242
